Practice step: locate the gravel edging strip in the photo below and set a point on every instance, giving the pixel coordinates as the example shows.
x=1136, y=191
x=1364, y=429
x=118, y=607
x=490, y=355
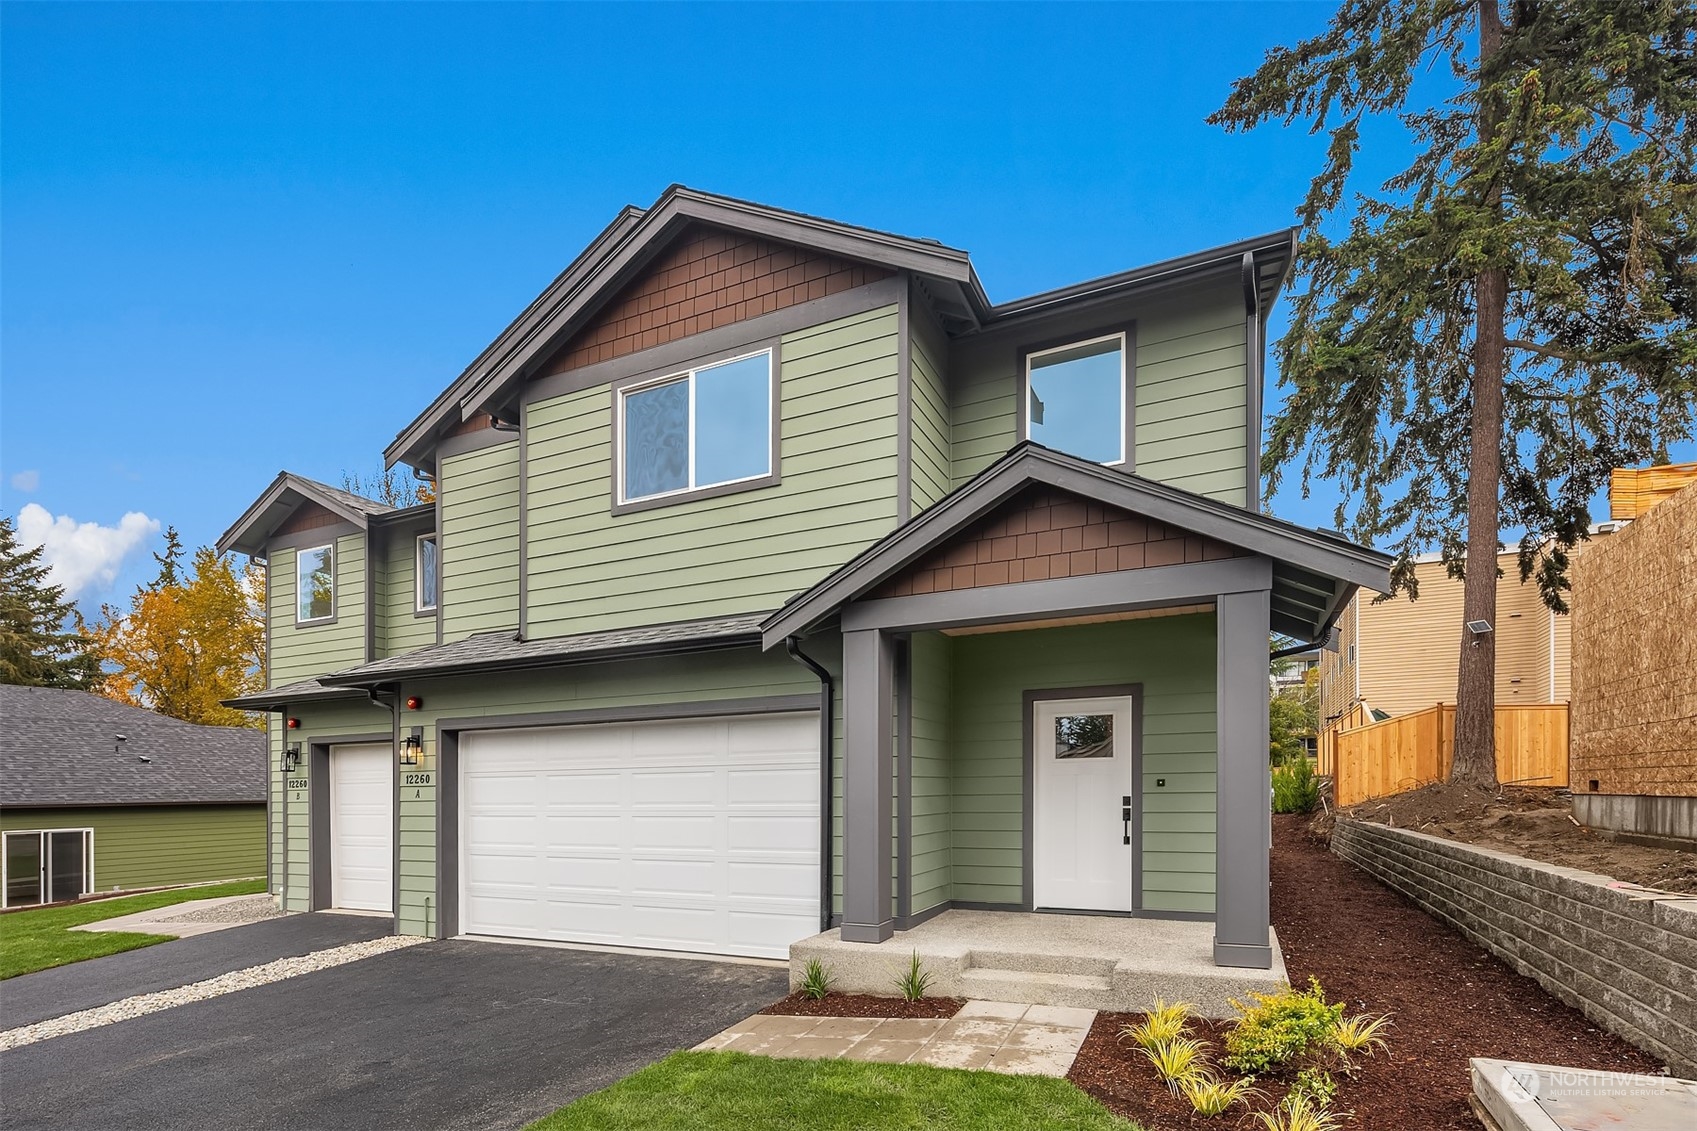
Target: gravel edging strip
x=143, y=1004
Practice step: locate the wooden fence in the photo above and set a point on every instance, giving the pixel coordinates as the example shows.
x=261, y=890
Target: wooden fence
x=1413, y=750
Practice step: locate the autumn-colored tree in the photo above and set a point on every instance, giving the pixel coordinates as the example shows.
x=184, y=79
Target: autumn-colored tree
x=183, y=648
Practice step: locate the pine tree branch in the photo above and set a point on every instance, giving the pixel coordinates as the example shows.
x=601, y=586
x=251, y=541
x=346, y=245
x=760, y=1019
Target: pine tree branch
x=1555, y=353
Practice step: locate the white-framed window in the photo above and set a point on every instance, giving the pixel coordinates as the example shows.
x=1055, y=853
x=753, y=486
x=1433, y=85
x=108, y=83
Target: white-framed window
x=45, y=866
x=428, y=573
x=1075, y=398
x=705, y=427
x=315, y=584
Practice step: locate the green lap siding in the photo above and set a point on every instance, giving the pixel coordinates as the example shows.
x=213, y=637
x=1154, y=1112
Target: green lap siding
x=928, y=434
x=745, y=552
x=1173, y=658
x=480, y=541
x=931, y=846
x=399, y=626
x=160, y=845
x=306, y=651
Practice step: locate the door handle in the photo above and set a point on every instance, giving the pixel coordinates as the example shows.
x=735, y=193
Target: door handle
x=1125, y=815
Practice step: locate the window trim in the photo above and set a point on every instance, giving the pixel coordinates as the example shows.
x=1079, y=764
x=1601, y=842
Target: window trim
x=314, y=622
x=620, y=389
x=419, y=608
x=1126, y=332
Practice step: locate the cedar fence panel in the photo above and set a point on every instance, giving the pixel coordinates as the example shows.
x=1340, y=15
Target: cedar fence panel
x=1417, y=749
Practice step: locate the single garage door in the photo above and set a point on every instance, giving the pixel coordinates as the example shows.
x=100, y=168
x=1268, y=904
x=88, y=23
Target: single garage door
x=362, y=827
x=696, y=835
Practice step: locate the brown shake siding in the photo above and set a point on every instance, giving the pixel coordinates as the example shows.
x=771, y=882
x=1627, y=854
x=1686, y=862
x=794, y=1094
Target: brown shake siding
x=708, y=278
x=1050, y=534
x=307, y=516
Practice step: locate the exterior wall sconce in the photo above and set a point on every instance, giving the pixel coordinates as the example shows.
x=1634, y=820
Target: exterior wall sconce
x=293, y=724
x=414, y=703
x=412, y=747
x=292, y=756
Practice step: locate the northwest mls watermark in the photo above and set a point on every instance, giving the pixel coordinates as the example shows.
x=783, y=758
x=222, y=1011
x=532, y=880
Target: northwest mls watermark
x=1524, y=1085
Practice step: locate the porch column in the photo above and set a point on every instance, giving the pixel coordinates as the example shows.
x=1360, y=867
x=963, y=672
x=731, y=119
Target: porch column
x=867, y=749
x=1242, y=811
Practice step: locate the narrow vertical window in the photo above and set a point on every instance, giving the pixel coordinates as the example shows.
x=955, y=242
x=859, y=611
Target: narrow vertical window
x=315, y=584
x=427, y=573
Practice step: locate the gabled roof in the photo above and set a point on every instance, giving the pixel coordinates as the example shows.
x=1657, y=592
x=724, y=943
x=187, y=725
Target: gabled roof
x=287, y=492
x=618, y=255
x=504, y=651
x=61, y=748
x=1313, y=575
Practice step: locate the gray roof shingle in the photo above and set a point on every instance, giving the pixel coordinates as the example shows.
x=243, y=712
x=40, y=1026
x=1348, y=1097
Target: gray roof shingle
x=60, y=748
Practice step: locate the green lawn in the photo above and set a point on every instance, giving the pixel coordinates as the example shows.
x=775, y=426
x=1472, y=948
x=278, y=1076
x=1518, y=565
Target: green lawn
x=692, y=1090
x=38, y=940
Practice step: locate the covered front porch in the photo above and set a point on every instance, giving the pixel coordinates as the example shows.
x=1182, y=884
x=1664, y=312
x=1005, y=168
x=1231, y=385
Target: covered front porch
x=1052, y=773
x=1082, y=961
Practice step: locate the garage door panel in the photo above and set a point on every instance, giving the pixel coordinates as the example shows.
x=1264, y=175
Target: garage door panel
x=362, y=835
x=698, y=834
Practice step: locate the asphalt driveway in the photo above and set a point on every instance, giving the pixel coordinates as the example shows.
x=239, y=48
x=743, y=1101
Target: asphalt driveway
x=451, y=1034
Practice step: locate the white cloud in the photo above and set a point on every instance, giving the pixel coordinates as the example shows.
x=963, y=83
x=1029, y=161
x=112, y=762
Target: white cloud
x=26, y=480
x=83, y=554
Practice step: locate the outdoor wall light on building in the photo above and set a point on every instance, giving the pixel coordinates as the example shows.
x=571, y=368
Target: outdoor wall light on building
x=412, y=747
x=292, y=756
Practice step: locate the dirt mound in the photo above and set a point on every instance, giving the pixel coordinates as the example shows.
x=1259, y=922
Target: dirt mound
x=1535, y=823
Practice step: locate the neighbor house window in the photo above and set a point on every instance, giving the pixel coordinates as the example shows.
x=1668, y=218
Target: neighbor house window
x=1075, y=398
x=427, y=572
x=315, y=584
x=702, y=428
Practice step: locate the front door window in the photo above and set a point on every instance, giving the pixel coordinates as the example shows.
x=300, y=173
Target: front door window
x=1083, y=797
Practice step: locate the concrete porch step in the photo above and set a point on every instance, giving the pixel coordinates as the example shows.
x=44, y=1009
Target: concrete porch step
x=1039, y=962
x=1083, y=991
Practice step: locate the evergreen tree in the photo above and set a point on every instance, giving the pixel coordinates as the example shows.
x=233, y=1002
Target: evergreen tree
x=35, y=649
x=169, y=573
x=1512, y=315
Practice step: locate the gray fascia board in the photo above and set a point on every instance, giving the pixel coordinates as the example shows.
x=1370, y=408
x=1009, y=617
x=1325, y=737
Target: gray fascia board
x=681, y=206
x=447, y=402
x=1061, y=597
x=355, y=679
x=237, y=536
x=1227, y=257
x=1033, y=464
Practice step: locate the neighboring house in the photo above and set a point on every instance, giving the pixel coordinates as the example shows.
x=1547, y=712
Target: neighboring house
x=1633, y=764
x=1399, y=656
x=98, y=796
x=777, y=578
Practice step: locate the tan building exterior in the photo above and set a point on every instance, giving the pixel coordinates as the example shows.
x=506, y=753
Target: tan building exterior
x=1401, y=655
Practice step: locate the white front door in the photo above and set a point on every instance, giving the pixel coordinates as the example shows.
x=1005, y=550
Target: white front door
x=1082, y=751
x=362, y=827
x=692, y=835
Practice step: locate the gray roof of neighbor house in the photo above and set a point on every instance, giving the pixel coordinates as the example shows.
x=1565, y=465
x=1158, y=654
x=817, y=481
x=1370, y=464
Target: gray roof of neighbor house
x=61, y=748
x=287, y=492
x=625, y=246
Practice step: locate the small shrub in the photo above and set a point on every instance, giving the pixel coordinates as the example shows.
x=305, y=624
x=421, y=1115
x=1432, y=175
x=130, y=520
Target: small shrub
x=1360, y=1034
x=1297, y=1113
x=1295, y=788
x=1162, y=1022
x=1315, y=1085
x=1176, y=1060
x=1280, y=1028
x=915, y=980
x=815, y=979
x=1209, y=1095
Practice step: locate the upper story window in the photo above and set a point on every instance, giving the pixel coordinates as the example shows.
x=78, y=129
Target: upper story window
x=427, y=573
x=706, y=427
x=1075, y=398
x=315, y=584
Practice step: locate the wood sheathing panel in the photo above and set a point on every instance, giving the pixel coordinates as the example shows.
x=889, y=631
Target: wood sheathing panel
x=1634, y=726
x=1044, y=534
x=708, y=278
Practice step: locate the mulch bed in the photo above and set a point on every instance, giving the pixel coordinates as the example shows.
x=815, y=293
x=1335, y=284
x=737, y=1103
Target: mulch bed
x=1449, y=1000
x=864, y=1005
x=1121, y=1078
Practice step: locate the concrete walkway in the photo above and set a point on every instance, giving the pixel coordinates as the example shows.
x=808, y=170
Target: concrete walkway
x=195, y=917
x=1011, y=1037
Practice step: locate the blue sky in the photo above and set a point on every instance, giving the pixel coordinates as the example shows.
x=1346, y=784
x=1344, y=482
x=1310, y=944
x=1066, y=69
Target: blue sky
x=245, y=238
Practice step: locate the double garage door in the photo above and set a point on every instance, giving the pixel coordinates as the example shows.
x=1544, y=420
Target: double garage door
x=696, y=835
